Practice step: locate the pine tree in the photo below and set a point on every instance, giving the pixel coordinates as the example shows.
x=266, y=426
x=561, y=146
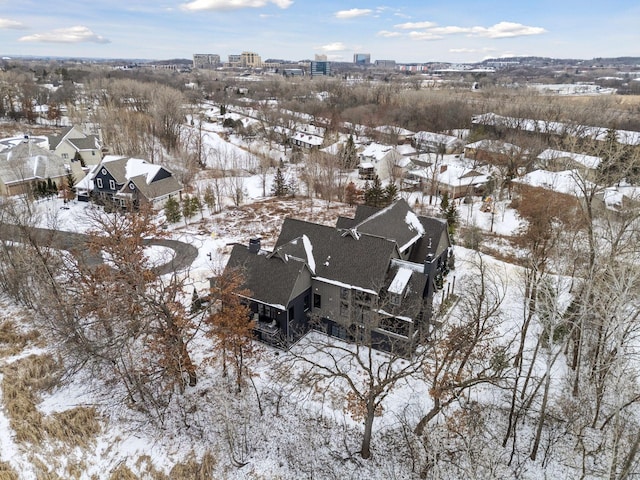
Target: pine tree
x=188, y=208
x=348, y=154
x=374, y=194
x=210, y=198
x=172, y=210
x=390, y=194
x=450, y=212
x=280, y=187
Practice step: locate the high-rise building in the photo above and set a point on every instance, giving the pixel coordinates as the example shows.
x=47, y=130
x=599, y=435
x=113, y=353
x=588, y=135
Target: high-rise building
x=234, y=60
x=320, y=68
x=362, y=58
x=205, y=60
x=250, y=60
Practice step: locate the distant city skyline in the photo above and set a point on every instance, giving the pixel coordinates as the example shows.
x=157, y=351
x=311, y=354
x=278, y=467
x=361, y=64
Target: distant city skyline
x=408, y=31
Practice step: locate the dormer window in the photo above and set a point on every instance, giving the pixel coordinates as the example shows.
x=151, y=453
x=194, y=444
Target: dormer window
x=103, y=171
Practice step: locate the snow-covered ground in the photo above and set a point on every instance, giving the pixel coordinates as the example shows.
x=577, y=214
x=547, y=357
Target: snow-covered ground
x=302, y=432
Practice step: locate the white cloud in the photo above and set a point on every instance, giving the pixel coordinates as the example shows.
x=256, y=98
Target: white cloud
x=6, y=23
x=471, y=50
x=75, y=34
x=353, y=13
x=507, y=30
x=333, y=47
x=424, y=36
x=388, y=34
x=414, y=25
x=198, y=5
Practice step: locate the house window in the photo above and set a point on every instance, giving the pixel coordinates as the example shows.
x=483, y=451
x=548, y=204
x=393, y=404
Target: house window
x=394, y=299
x=93, y=152
x=65, y=155
x=99, y=182
x=112, y=184
x=344, y=309
x=344, y=293
x=307, y=302
x=317, y=301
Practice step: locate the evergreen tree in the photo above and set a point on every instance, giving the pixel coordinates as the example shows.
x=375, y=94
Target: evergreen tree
x=210, y=198
x=280, y=186
x=450, y=212
x=390, y=194
x=374, y=194
x=172, y=210
x=188, y=208
x=348, y=154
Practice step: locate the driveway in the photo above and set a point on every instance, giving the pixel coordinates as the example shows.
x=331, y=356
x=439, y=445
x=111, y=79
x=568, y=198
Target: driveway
x=76, y=244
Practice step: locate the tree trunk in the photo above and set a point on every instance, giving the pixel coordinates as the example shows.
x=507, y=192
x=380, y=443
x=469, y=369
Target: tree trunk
x=365, y=451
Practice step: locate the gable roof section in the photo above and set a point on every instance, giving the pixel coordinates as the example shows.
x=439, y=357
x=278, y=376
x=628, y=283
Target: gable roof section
x=396, y=222
x=260, y=269
x=358, y=261
x=157, y=189
x=435, y=240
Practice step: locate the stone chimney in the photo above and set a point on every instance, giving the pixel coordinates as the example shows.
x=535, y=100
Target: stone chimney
x=427, y=264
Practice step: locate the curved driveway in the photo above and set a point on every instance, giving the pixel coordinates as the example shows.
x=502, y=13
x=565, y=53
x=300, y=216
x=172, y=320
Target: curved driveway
x=76, y=244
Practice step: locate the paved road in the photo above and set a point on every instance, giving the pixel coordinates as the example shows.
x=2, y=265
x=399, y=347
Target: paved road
x=76, y=243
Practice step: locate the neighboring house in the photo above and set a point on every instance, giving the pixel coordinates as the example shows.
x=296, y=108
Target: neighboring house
x=77, y=149
x=455, y=180
x=621, y=198
x=307, y=137
x=558, y=160
x=567, y=183
x=494, y=152
x=378, y=270
x=129, y=181
x=26, y=164
x=393, y=134
x=499, y=125
x=437, y=143
x=378, y=159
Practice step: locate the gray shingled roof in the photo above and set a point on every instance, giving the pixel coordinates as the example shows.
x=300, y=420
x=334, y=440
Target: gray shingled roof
x=27, y=161
x=54, y=140
x=260, y=270
x=88, y=143
x=158, y=188
x=432, y=241
x=392, y=223
x=359, y=261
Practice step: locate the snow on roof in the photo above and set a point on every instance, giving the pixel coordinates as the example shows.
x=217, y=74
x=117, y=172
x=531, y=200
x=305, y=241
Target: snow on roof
x=393, y=130
x=588, y=161
x=567, y=182
x=411, y=219
x=137, y=166
x=308, y=138
x=614, y=196
x=435, y=138
x=457, y=175
x=308, y=248
x=626, y=137
x=366, y=165
x=406, y=149
x=400, y=281
x=376, y=151
x=495, y=146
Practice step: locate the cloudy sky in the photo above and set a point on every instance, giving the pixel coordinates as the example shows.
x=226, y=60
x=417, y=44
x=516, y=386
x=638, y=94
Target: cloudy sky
x=402, y=30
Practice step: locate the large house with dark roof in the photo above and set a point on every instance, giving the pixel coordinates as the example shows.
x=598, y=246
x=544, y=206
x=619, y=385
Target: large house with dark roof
x=128, y=181
x=374, y=273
